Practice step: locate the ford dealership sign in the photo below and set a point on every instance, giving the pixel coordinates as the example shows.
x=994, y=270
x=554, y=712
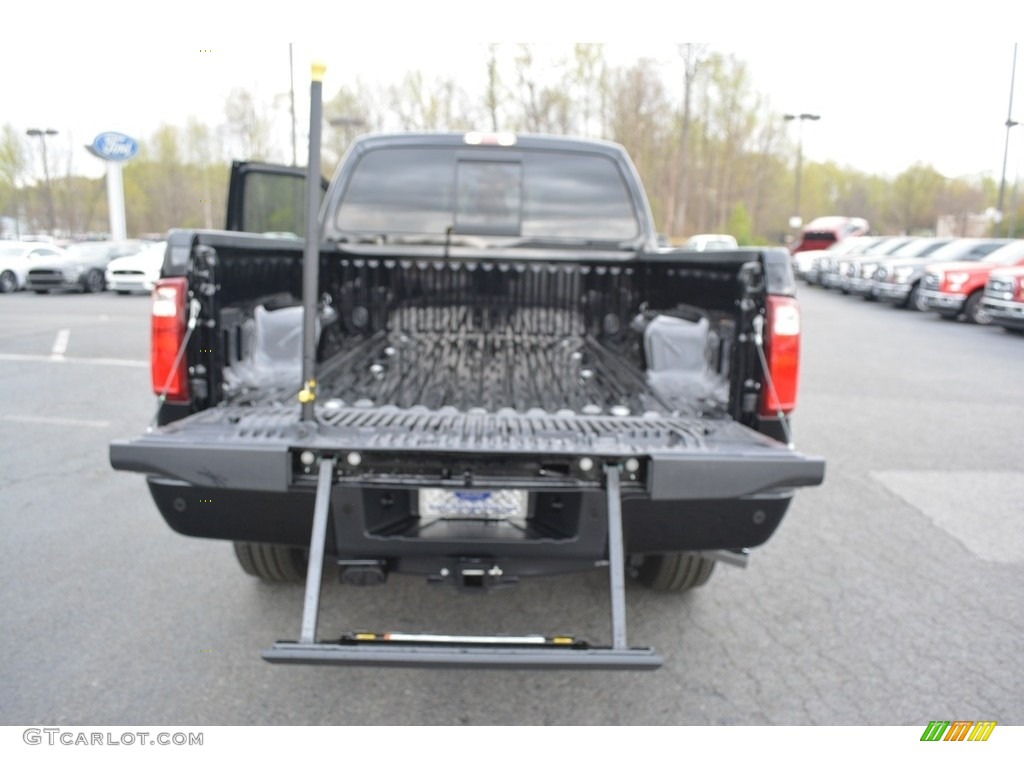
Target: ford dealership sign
x=114, y=146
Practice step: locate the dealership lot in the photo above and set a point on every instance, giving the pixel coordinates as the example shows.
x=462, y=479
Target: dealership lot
x=892, y=594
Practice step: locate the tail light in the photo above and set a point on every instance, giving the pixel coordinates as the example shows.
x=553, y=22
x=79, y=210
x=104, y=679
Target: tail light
x=782, y=350
x=167, y=337
x=1019, y=293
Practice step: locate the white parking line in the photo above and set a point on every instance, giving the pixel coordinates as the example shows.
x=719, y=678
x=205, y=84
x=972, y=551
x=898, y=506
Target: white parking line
x=12, y=357
x=60, y=344
x=54, y=420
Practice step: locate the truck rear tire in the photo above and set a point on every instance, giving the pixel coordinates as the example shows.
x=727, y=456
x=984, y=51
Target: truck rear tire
x=675, y=571
x=272, y=563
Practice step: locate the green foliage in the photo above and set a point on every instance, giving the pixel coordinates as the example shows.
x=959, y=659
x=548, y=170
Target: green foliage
x=739, y=225
x=168, y=184
x=13, y=161
x=914, y=198
x=13, y=157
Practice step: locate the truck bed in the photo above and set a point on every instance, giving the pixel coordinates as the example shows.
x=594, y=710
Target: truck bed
x=482, y=337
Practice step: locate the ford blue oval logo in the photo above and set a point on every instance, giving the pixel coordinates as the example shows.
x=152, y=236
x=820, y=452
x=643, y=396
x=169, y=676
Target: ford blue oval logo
x=115, y=146
x=473, y=495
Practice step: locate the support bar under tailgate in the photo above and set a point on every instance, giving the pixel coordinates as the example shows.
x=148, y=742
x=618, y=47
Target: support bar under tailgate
x=407, y=650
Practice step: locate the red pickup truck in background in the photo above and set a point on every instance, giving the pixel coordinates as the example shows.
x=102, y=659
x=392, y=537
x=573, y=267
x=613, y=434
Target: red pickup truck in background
x=826, y=231
x=958, y=287
x=1004, y=298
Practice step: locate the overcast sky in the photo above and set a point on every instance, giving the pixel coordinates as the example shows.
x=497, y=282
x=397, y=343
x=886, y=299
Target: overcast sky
x=892, y=88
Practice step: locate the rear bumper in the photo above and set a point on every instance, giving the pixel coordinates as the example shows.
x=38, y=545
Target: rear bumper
x=565, y=526
x=724, y=490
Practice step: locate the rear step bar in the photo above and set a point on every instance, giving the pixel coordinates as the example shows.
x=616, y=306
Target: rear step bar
x=444, y=651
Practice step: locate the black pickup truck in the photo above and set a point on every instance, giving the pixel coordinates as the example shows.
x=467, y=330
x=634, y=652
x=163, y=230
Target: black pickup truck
x=511, y=379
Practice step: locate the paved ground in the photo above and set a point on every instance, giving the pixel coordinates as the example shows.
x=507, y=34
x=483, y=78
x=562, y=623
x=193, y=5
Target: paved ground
x=893, y=594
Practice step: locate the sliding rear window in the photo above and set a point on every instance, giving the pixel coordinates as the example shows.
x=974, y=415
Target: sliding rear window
x=544, y=194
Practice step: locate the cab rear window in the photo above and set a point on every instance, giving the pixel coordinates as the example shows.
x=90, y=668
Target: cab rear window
x=544, y=194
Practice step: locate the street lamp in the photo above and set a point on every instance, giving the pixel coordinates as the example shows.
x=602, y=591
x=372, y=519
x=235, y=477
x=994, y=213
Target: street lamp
x=796, y=221
x=349, y=125
x=1010, y=122
x=42, y=134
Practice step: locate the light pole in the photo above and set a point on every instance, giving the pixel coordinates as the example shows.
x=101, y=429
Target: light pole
x=42, y=134
x=291, y=97
x=349, y=125
x=796, y=221
x=1010, y=122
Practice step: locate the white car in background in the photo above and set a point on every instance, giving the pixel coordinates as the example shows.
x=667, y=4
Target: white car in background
x=711, y=242
x=16, y=257
x=137, y=273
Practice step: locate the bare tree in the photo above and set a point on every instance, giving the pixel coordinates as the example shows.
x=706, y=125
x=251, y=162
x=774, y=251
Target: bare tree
x=428, y=105
x=492, y=96
x=589, y=86
x=693, y=56
x=250, y=125
x=354, y=109
x=69, y=200
x=735, y=118
x=959, y=197
x=201, y=146
x=767, y=172
x=13, y=163
x=637, y=121
x=542, y=94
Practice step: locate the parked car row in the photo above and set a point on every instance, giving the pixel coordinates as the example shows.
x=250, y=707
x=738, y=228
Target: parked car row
x=123, y=266
x=958, y=288
x=978, y=279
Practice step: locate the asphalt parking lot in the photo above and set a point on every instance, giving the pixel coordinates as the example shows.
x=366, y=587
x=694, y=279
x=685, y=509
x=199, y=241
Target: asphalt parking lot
x=891, y=595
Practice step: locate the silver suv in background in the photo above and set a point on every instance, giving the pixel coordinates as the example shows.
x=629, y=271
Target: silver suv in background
x=861, y=269
x=848, y=268
x=898, y=281
x=811, y=266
